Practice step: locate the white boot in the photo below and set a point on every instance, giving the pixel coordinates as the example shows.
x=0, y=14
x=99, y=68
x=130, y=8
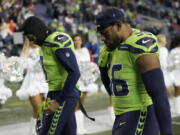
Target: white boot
x=80, y=123
x=111, y=114
x=32, y=130
x=177, y=105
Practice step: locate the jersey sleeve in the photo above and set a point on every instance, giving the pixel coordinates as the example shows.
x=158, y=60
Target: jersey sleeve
x=59, y=40
x=143, y=45
x=103, y=57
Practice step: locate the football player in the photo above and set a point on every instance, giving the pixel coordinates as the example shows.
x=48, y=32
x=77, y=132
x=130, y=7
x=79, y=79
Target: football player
x=62, y=75
x=130, y=71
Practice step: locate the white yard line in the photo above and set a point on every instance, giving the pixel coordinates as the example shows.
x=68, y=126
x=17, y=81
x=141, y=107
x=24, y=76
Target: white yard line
x=176, y=123
x=10, y=109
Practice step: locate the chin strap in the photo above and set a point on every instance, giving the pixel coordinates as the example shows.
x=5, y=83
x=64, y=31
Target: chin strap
x=84, y=111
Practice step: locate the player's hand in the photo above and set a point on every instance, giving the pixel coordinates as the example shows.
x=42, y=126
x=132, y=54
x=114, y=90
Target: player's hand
x=52, y=107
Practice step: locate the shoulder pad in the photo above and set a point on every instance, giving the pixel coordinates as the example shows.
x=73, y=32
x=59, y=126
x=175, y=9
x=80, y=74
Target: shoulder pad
x=63, y=39
x=140, y=42
x=59, y=39
x=146, y=41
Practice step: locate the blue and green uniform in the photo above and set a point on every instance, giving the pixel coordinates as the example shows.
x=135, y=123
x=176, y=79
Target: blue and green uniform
x=128, y=92
x=62, y=74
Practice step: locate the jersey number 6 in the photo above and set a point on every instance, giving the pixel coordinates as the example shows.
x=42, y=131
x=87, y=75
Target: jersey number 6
x=119, y=87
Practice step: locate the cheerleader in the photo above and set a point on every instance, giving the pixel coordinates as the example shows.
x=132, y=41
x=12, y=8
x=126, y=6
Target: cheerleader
x=89, y=74
x=5, y=92
x=174, y=67
x=163, y=57
x=34, y=86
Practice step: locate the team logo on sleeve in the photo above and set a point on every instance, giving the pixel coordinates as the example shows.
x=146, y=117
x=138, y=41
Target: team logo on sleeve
x=146, y=41
x=67, y=54
x=122, y=123
x=61, y=38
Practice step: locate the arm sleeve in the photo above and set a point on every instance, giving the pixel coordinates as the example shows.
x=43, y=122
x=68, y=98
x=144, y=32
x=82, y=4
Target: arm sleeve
x=105, y=79
x=103, y=67
x=67, y=58
x=154, y=83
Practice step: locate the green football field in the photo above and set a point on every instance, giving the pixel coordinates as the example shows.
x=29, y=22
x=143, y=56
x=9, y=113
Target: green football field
x=16, y=111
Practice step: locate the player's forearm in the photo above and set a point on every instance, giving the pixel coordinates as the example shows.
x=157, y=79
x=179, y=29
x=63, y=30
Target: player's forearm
x=154, y=83
x=161, y=106
x=105, y=79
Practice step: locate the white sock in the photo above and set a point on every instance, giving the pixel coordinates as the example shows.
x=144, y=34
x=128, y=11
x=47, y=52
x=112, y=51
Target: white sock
x=80, y=122
x=177, y=104
x=172, y=105
x=111, y=113
x=32, y=129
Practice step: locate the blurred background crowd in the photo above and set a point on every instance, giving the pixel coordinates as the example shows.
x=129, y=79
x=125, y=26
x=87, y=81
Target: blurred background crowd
x=77, y=16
